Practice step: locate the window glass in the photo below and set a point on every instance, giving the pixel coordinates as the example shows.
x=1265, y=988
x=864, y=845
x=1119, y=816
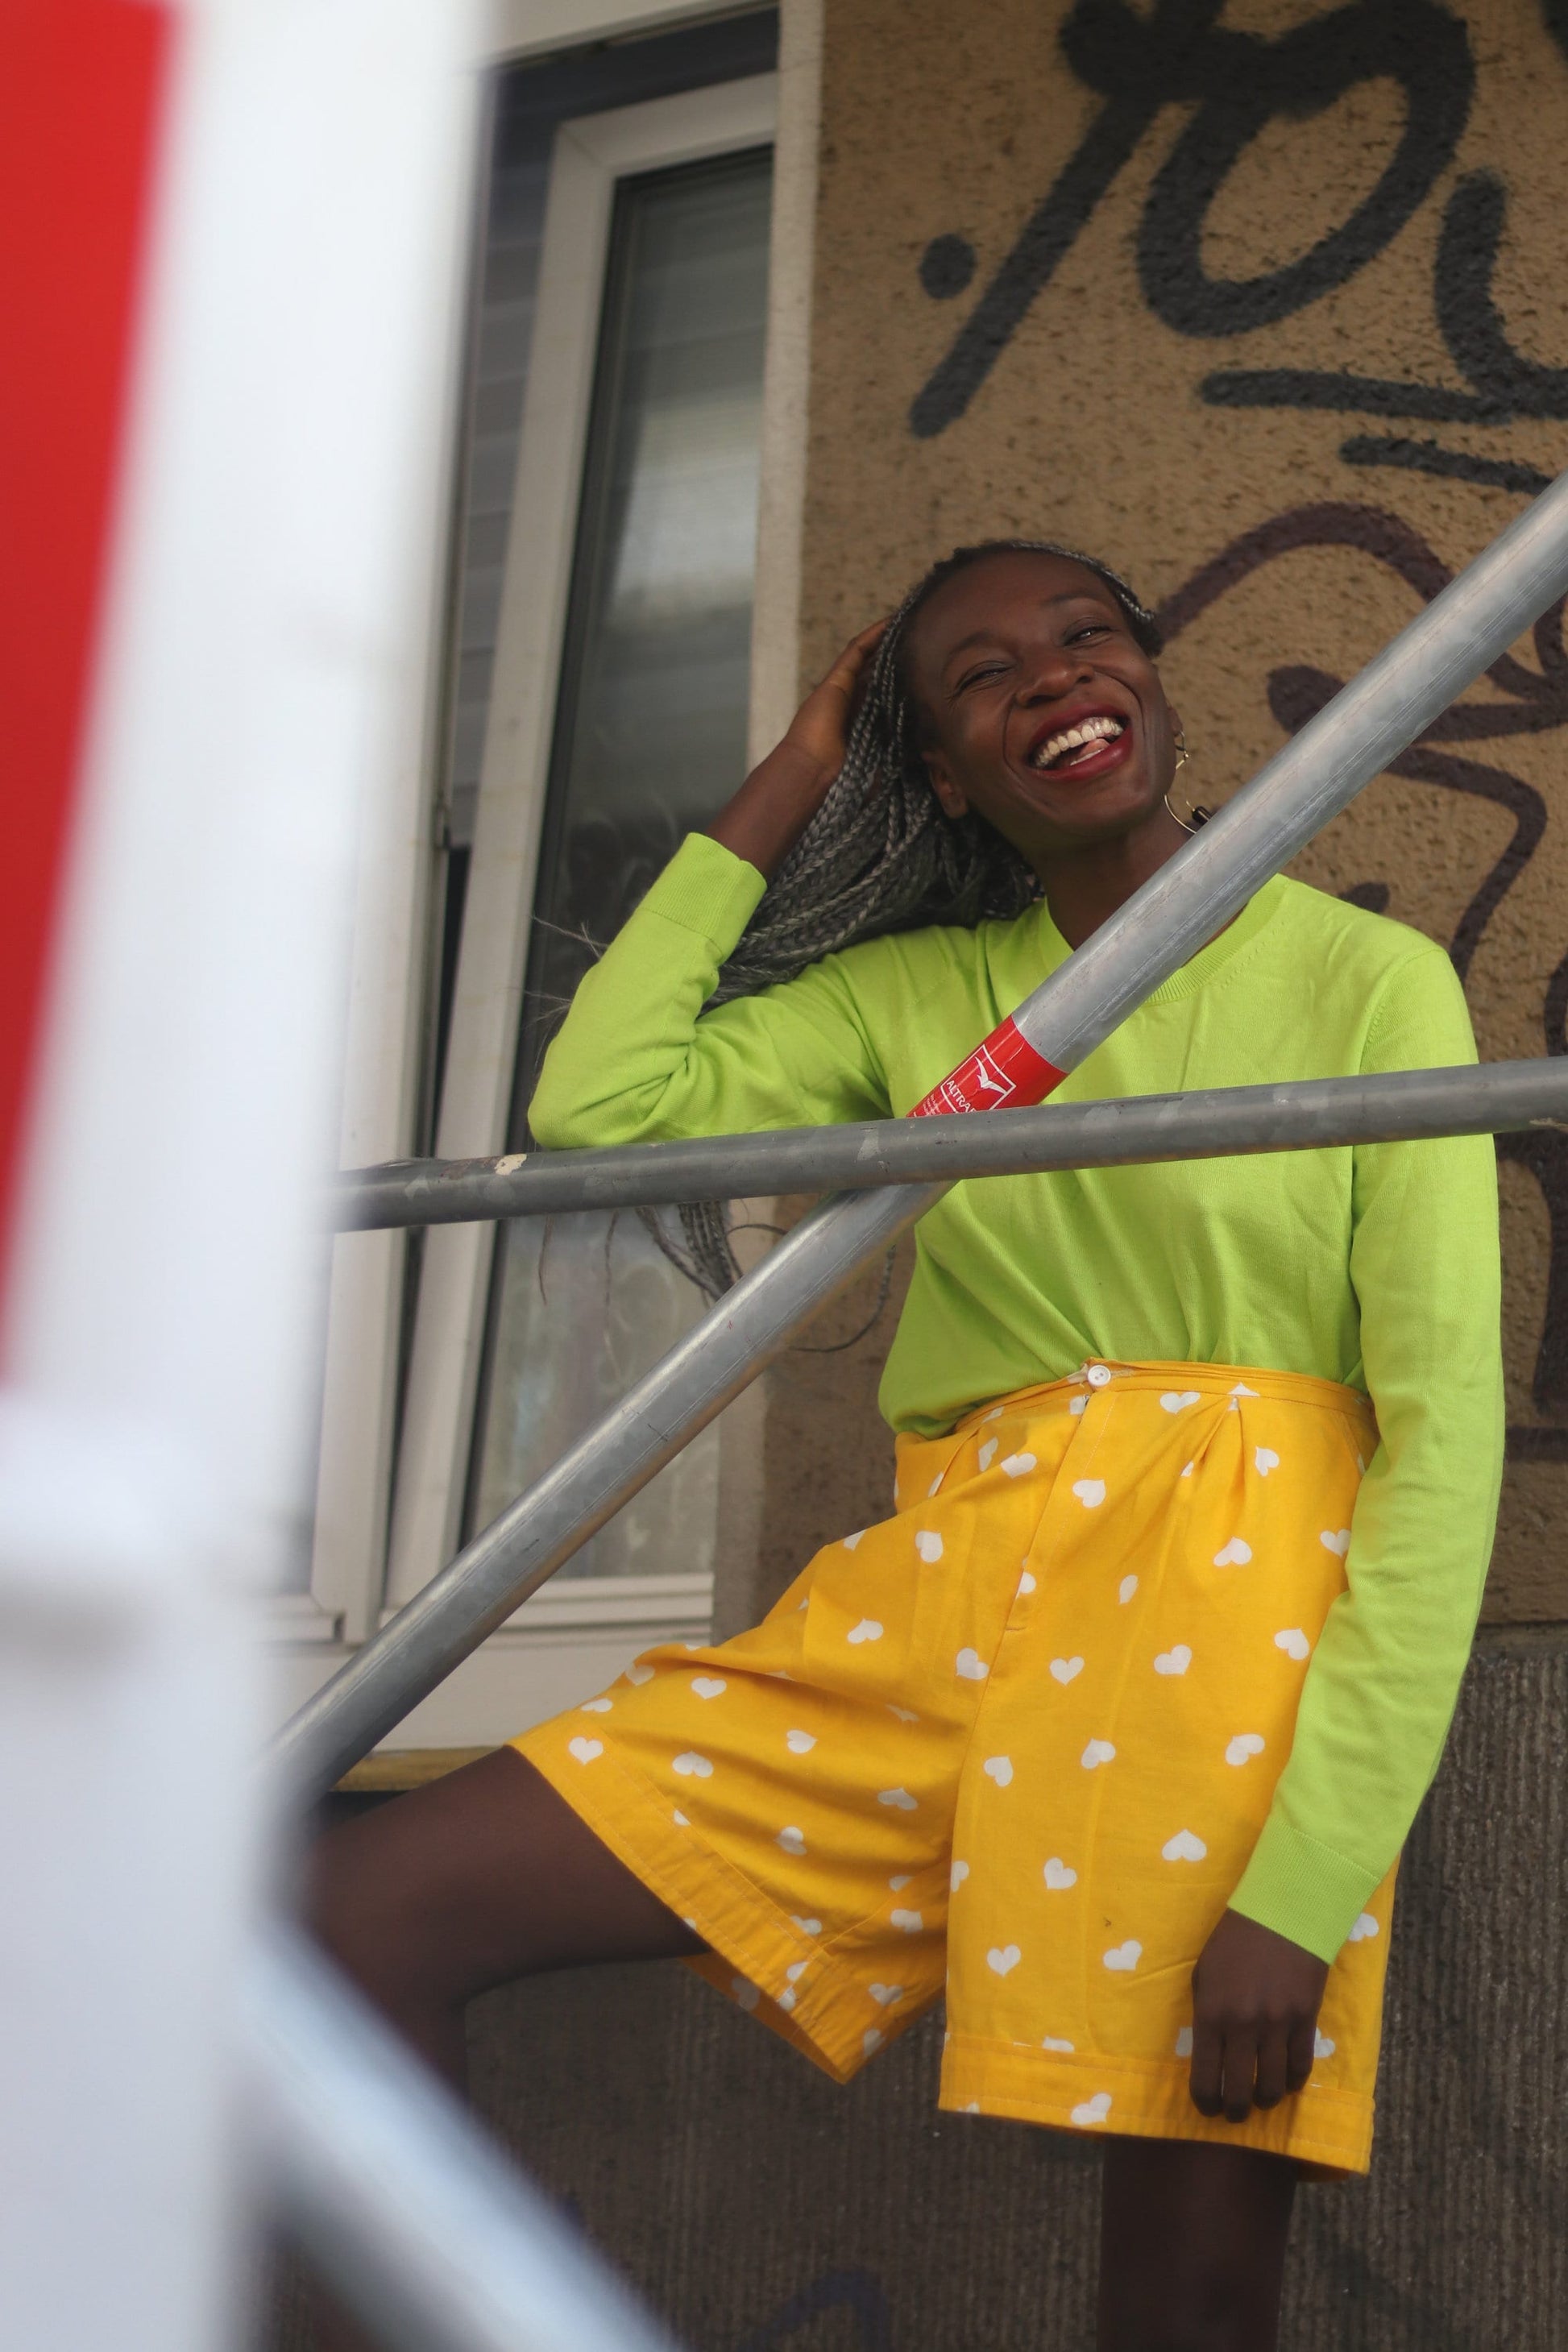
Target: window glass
x=650, y=741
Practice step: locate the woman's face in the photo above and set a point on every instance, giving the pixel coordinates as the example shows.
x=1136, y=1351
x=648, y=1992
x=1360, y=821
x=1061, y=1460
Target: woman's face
x=1040, y=712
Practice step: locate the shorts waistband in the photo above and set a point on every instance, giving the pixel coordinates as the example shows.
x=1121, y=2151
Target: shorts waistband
x=1208, y=1380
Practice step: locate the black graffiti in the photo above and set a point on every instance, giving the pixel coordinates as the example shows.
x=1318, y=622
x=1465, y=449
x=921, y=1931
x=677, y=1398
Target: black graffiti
x=1536, y=701
x=857, y=2292
x=1504, y=385
x=1239, y=83
x=1295, y=695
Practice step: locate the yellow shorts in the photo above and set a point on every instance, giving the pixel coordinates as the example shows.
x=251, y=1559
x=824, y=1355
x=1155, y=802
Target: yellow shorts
x=1016, y=1744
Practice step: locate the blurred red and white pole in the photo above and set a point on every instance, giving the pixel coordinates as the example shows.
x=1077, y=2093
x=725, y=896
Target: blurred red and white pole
x=231, y=229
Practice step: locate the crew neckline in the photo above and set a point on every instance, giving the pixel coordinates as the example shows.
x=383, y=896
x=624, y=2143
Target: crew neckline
x=1238, y=934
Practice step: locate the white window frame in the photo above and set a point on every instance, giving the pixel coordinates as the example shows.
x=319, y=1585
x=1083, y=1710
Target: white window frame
x=523, y=1673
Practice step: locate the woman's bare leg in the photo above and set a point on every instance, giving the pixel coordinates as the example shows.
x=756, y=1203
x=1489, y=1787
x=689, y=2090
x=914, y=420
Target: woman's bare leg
x=461, y=1886
x=1192, y=2246
x=479, y=1879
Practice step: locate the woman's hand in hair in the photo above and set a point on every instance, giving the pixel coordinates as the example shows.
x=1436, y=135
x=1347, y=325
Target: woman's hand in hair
x=783, y=792
x=1255, y=1998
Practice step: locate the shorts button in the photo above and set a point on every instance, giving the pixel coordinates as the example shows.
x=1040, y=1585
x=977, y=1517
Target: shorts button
x=1097, y=1375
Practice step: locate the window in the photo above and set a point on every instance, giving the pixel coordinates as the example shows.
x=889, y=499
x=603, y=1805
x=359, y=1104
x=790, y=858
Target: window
x=650, y=739
x=615, y=719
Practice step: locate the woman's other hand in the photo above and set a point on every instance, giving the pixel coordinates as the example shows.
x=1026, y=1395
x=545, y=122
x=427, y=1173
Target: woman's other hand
x=783, y=792
x=1255, y=1998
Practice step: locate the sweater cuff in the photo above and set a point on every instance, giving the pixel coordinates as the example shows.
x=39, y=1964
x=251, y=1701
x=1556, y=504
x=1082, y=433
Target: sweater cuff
x=1303, y=1890
x=706, y=890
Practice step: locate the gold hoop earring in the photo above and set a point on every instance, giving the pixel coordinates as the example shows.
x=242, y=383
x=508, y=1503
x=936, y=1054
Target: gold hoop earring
x=1197, y=815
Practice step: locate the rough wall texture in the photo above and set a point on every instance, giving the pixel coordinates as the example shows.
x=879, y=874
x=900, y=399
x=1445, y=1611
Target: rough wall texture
x=758, y=2205
x=1263, y=303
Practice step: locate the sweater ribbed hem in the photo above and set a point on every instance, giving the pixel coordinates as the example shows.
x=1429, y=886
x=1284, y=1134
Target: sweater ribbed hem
x=706, y=890
x=1304, y=1890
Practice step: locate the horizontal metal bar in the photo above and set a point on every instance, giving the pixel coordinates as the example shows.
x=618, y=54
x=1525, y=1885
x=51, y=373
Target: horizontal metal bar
x=1459, y=634
x=400, y=2201
x=1211, y=1123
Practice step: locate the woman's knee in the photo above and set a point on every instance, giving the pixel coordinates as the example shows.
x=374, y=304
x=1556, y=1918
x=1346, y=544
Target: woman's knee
x=1194, y=2247
x=479, y=1879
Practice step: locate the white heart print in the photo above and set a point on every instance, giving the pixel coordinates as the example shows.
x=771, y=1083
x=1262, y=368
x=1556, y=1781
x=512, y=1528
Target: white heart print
x=1184, y=1847
x=806, y=1927
x=585, y=1750
x=746, y=1994
x=1235, y=1554
x=868, y=1630
x=935, y=1487
x=708, y=1685
x=909, y=1922
x=970, y=1665
x=1018, y=1465
x=988, y=1453
x=791, y=1840
x=928, y=1543
x=1065, y=1670
x=885, y=1995
x=1364, y=1926
x=1173, y=1661
x=1184, y=2042
x=1099, y=1751
x=904, y=1714
x=1058, y=1877
x=850, y=1542
x=901, y=1881
x=1178, y=1400
x=1090, y=1492
x=691, y=1763
x=999, y=1768
x=639, y=1675
x=957, y=1875
x=1025, y=1582
x=1321, y=2046
x=1266, y=1459
x=596, y=1706
x=1126, y=1589
x=1336, y=1539
x=800, y=1743
x=871, y=2040
x=679, y=1818
x=1054, y=2041
x=1294, y=1643
x=899, y=1798
x=1004, y=1960
x=1089, y=2111
x=1125, y=1957
x=1245, y=1744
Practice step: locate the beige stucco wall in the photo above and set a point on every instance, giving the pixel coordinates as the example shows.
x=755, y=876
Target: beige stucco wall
x=1088, y=419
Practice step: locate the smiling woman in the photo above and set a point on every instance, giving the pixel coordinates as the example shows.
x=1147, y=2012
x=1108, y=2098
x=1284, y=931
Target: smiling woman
x=1115, y=1726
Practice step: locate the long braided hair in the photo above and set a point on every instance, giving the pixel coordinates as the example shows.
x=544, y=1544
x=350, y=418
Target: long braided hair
x=882, y=853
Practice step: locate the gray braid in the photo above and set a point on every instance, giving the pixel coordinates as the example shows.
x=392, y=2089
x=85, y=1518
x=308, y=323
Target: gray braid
x=882, y=853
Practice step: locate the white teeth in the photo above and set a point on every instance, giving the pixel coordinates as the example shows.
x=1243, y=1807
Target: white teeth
x=1072, y=739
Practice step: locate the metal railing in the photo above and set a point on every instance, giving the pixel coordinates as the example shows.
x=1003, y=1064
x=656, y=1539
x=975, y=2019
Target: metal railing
x=1210, y=1123
x=1401, y=692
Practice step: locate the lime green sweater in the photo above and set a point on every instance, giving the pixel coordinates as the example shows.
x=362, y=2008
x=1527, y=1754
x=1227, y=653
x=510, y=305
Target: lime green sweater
x=1376, y=1266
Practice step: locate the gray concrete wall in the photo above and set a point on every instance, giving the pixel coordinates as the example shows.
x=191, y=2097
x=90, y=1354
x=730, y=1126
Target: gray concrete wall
x=757, y=2205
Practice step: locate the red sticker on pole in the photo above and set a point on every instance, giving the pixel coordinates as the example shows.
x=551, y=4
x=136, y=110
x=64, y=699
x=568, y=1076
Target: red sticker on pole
x=1005, y=1073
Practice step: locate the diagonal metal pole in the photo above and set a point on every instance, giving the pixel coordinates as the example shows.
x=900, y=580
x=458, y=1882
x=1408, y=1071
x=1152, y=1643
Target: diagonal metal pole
x=1210, y=878
x=402, y=2201
x=1209, y=1123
